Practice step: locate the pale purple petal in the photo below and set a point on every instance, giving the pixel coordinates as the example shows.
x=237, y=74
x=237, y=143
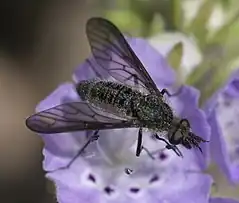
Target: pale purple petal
x=186, y=106
x=223, y=115
x=90, y=185
x=189, y=187
x=222, y=200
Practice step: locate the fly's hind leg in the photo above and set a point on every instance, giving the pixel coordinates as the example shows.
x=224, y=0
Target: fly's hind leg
x=90, y=139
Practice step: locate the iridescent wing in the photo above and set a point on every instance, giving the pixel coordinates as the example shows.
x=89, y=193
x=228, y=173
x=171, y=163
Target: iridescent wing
x=115, y=57
x=75, y=116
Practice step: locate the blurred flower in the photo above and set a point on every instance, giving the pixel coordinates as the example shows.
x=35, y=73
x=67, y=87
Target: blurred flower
x=222, y=111
x=98, y=175
x=216, y=19
x=191, y=57
x=222, y=200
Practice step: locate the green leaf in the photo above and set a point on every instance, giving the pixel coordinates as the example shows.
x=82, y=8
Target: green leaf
x=177, y=14
x=171, y=12
x=175, y=56
x=126, y=20
x=221, y=36
x=145, y=12
x=157, y=25
x=197, y=74
x=198, y=26
x=225, y=3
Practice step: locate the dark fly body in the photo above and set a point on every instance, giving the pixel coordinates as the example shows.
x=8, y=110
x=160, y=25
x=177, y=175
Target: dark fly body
x=117, y=103
x=146, y=111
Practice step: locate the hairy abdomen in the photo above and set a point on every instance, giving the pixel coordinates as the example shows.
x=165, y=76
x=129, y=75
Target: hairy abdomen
x=109, y=95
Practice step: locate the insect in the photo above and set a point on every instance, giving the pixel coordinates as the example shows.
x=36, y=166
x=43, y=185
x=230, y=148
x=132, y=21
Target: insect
x=116, y=103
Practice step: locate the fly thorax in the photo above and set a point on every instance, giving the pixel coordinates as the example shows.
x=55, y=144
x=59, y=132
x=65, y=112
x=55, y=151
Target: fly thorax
x=154, y=110
x=83, y=89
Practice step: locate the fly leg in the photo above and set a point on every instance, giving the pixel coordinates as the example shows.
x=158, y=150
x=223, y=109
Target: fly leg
x=140, y=147
x=140, y=133
x=139, y=142
x=169, y=146
x=90, y=139
x=165, y=91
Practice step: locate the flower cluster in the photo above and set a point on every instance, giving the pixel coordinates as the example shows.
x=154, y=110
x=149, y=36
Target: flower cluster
x=98, y=175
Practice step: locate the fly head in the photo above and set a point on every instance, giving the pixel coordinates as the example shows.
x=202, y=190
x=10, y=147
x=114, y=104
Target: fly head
x=181, y=134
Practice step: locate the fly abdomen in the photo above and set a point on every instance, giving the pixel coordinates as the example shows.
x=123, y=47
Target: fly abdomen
x=106, y=92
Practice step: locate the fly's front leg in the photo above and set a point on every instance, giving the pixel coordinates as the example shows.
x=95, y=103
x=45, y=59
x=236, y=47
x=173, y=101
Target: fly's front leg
x=169, y=146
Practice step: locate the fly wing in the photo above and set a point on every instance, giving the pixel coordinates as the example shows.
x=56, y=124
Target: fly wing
x=115, y=56
x=75, y=116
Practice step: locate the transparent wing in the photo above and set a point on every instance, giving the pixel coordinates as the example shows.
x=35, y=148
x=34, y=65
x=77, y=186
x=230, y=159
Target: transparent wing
x=75, y=116
x=115, y=57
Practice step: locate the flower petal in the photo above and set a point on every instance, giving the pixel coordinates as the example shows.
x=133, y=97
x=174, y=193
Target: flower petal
x=88, y=185
x=186, y=106
x=222, y=114
x=222, y=200
x=66, y=194
x=114, y=142
x=190, y=188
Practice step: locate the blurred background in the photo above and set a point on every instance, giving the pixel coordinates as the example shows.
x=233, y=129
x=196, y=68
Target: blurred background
x=42, y=42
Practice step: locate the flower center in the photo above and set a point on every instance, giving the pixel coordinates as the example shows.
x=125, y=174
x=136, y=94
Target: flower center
x=123, y=168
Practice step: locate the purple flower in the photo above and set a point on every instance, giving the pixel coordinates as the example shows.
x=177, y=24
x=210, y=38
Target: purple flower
x=98, y=175
x=223, y=115
x=223, y=200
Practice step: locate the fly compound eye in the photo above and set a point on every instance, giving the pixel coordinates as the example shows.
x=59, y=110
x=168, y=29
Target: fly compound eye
x=176, y=137
x=185, y=123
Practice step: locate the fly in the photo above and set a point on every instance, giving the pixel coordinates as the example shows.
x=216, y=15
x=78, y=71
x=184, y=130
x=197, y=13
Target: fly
x=116, y=103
